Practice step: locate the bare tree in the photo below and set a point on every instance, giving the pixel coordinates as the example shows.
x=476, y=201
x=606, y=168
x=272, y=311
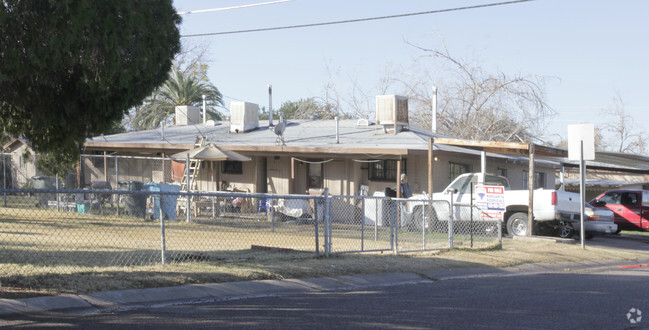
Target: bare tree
x=477, y=104
x=624, y=135
x=354, y=100
x=473, y=103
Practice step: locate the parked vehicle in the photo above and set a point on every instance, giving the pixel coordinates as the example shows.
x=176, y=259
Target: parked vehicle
x=597, y=221
x=630, y=208
x=554, y=210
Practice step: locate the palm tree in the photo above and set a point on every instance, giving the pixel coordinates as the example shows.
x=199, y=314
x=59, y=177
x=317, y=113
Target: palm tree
x=179, y=89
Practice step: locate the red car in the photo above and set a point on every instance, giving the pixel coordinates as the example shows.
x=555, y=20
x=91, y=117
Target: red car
x=630, y=206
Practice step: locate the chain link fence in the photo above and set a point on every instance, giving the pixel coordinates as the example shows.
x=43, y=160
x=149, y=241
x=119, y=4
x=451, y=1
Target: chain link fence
x=112, y=214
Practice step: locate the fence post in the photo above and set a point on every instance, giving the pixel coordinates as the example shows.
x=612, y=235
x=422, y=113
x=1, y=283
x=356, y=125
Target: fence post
x=376, y=218
x=391, y=221
x=423, y=226
x=188, y=180
x=315, y=220
x=4, y=177
x=397, y=219
x=363, y=223
x=58, y=200
x=327, y=225
x=117, y=182
x=450, y=223
x=162, y=229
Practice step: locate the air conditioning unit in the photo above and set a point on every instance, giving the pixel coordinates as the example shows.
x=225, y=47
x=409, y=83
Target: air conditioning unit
x=392, y=111
x=244, y=117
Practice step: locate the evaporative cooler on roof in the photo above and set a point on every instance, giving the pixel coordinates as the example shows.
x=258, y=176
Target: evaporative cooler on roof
x=392, y=111
x=244, y=117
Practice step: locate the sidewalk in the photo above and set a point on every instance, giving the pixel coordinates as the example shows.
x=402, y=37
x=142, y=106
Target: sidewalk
x=134, y=298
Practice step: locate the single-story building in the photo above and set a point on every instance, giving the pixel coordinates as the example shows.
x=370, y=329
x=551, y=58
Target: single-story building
x=299, y=155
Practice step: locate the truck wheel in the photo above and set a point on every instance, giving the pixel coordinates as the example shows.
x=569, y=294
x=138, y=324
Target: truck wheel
x=566, y=230
x=517, y=224
x=424, y=218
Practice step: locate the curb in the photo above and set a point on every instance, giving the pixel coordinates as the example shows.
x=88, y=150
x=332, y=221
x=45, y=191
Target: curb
x=134, y=298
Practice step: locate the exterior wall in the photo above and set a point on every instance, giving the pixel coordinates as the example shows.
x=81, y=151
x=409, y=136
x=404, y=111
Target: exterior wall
x=245, y=181
x=279, y=170
x=20, y=175
x=336, y=177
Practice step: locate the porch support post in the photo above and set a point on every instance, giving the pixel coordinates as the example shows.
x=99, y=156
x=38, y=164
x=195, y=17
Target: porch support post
x=291, y=184
x=105, y=167
x=399, y=177
x=530, y=186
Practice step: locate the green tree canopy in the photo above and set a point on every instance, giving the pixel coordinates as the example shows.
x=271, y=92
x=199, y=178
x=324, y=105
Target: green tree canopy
x=179, y=89
x=307, y=108
x=70, y=69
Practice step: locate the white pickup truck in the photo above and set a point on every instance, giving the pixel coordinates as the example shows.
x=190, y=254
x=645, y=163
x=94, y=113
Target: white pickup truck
x=553, y=210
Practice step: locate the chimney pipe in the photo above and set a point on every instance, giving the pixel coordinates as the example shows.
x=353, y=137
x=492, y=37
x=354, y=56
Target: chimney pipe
x=434, y=118
x=270, y=105
x=337, y=129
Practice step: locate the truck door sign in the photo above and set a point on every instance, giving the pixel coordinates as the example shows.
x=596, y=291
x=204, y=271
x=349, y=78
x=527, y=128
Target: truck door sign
x=490, y=200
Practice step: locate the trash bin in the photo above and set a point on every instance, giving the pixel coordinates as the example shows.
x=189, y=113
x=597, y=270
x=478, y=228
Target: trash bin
x=168, y=201
x=44, y=182
x=134, y=204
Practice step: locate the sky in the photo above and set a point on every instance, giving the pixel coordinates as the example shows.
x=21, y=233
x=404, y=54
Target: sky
x=588, y=51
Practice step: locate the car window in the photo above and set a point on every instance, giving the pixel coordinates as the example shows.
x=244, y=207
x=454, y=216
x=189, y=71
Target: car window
x=629, y=199
x=645, y=198
x=611, y=198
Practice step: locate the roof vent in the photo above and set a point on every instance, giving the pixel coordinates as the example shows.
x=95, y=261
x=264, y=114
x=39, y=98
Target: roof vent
x=187, y=115
x=392, y=111
x=364, y=122
x=244, y=117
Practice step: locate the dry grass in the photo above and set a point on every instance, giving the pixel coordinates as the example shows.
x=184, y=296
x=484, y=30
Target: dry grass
x=45, y=252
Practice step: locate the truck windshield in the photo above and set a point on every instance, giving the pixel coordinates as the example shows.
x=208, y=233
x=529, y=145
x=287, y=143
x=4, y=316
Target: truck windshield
x=462, y=183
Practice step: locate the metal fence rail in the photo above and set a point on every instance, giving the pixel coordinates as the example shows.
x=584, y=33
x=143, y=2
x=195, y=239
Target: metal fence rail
x=76, y=229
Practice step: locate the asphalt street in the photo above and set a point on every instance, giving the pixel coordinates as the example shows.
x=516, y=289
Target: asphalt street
x=586, y=299
x=535, y=296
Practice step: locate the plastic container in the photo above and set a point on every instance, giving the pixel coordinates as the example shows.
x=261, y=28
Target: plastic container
x=134, y=204
x=168, y=201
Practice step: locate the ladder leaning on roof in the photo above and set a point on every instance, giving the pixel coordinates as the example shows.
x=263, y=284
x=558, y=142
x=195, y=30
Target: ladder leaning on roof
x=194, y=168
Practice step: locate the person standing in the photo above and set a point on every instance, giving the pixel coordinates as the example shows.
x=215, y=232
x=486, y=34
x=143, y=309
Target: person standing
x=405, y=187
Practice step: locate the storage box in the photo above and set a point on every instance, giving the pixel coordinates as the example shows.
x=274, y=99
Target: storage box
x=83, y=208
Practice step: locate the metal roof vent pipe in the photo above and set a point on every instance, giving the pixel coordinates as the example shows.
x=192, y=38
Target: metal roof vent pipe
x=434, y=115
x=204, y=110
x=337, y=130
x=270, y=105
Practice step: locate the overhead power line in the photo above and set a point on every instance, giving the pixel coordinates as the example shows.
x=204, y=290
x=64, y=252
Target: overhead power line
x=228, y=8
x=356, y=20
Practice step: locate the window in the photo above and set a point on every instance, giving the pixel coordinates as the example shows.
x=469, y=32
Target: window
x=502, y=172
x=539, y=180
x=385, y=170
x=314, y=176
x=456, y=169
x=232, y=167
